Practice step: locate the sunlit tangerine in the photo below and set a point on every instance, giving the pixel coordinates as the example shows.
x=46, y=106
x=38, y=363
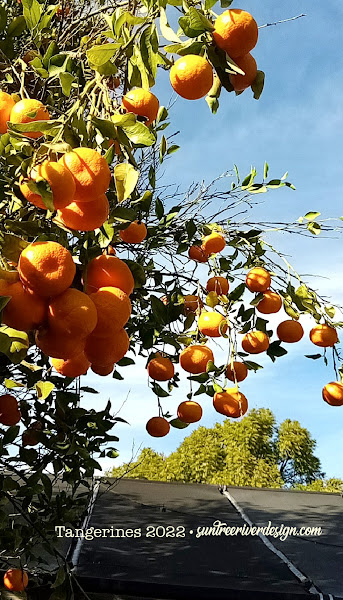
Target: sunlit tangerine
x=6, y=105
x=160, y=369
x=113, y=308
x=258, y=280
x=25, y=311
x=27, y=111
x=91, y=173
x=218, y=284
x=103, y=351
x=59, y=345
x=212, y=324
x=73, y=313
x=323, y=336
x=141, y=103
x=135, y=233
x=248, y=64
x=198, y=254
x=104, y=370
x=213, y=243
x=47, y=268
x=191, y=304
x=230, y=403
x=237, y=371
x=85, y=216
x=73, y=367
x=270, y=303
x=194, y=359
x=9, y=410
x=290, y=331
x=104, y=271
x=16, y=580
x=60, y=180
x=189, y=411
x=191, y=77
x=236, y=32
x=157, y=427
x=333, y=393
x=255, y=342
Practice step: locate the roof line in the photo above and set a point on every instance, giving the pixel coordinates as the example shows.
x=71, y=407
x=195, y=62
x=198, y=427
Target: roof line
x=306, y=581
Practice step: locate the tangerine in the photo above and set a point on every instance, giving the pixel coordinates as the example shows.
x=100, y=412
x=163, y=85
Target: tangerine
x=323, y=336
x=255, y=342
x=333, y=393
x=85, y=216
x=16, y=580
x=220, y=285
x=191, y=77
x=235, y=32
x=25, y=311
x=142, y=103
x=290, y=331
x=230, y=403
x=90, y=171
x=104, y=351
x=212, y=324
x=198, y=254
x=194, y=359
x=6, y=105
x=28, y=111
x=189, y=412
x=60, y=180
x=113, y=308
x=237, y=371
x=258, y=280
x=104, y=271
x=59, y=345
x=46, y=268
x=213, y=243
x=135, y=233
x=157, y=427
x=160, y=369
x=72, y=367
x=73, y=313
x=270, y=303
x=248, y=64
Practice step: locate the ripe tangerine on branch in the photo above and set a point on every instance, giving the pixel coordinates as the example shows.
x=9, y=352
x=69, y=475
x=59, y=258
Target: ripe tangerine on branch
x=323, y=336
x=73, y=313
x=230, y=403
x=191, y=77
x=160, y=369
x=189, y=411
x=85, y=216
x=16, y=580
x=213, y=243
x=248, y=64
x=194, y=359
x=9, y=410
x=25, y=311
x=237, y=371
x=255, y=342
x=105, y=351
x=333, y=393
x=102, y=371
x=104, y=271
x=113, y=308
x=198, y=254
x=141, y=103
x=191, y=304
x=6, y=105
x=58, y=345
x=46, y=268
x=236, y=32
x=217, y=284
x=270, y=303
x=290, y=331
x=258, y=280
x=60, y=180
x=157, y=427
x=135, y=233
x=72, y=367
x=212, y=324
x=28, y=111
x=90, y=171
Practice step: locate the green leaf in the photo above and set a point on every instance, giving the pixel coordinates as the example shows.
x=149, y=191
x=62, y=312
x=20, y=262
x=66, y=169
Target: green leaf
x=3, y=18
x=99, y=55
x=276, y=350
x=41, y=126
x=13, y=343
x=159, y=208
x=10, y=435
x=44, y=389
x=314, y=228
x=258, y=85
x=60, y=577
x=124, y=362
x=194, y=23
x=266, y=169
x=126, y=178
x=330, y=311
x=66, y=81
x=10, y=384
x=166, y=30
x=178, y=424
x=139, y=134
x=310, y=216
x=149, y=49
x=137, y=271
x=237, y=293
x=32, y=11
x=313, y=356
x=159, y=309
x=159, y=391
x=16, y=27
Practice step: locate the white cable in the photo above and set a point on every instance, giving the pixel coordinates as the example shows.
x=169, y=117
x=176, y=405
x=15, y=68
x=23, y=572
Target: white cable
x=76, y=553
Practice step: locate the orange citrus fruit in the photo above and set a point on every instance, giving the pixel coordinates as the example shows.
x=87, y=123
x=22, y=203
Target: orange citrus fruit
x=6, y=105
x=25, y=311
x=198, y=254
x=157, y=427
x=46, y=268
x=255, y=342
x=333, y=393
x=104, y=351
x=270, y=303
x=9, y=410
x=191, y=304
x=194, y=359
x=212, y=324
x=113, y=308
x=213, y=243
x=160, y=369
x=27, y=111
x=237, y=371
x=230, y=403
x=189, y=411
x=102, y=371
x=220, y=285
x=91, y=173
x=72, y=367
x=58, y=345
x=104, y=271
x=141, y=103
x=236, y=32
x=85, y=216
x=60, y=180
x=135, y=233
x=16, y=580
x=258, y=280
x=323, y=336
x=191, y=77
x=248, y=64
x=73, y=313
x=290, y=331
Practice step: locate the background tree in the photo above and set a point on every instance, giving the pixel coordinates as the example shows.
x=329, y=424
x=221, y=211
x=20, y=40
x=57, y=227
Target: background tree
x=253, y=452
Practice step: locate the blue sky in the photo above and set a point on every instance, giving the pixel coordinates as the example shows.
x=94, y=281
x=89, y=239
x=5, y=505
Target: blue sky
x=297, y=127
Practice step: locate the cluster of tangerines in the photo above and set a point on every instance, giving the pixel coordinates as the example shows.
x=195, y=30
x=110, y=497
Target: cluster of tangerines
x=212, y=324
